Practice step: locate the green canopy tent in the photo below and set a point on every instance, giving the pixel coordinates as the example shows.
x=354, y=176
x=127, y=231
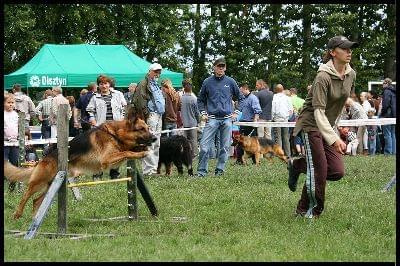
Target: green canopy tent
x=75, y=65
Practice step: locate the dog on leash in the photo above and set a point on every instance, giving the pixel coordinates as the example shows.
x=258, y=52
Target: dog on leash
x=257, y=146
x=99, y=149
x=175, y=149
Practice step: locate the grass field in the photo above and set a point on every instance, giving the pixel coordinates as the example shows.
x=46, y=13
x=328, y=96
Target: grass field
x=245, y=215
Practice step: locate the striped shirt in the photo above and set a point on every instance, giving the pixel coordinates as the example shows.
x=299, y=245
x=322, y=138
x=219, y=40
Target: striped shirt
x=351, y=136
x=44, y=107
x=107, y=100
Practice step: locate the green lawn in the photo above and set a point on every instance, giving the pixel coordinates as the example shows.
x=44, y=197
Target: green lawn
x=245, y=215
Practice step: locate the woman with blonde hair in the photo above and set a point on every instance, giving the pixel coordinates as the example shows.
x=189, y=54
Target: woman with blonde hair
x=172, y=106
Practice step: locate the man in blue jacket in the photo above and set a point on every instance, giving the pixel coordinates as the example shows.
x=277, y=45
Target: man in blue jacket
x=216, y=108
x=389, y=110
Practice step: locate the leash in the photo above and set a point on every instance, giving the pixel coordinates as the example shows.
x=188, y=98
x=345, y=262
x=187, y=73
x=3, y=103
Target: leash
x=251, y=132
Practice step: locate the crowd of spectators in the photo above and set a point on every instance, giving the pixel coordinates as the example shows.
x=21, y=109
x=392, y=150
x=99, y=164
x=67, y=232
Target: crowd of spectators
x=169, y=109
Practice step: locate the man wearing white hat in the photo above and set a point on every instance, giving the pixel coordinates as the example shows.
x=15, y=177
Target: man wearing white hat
x=153, y=103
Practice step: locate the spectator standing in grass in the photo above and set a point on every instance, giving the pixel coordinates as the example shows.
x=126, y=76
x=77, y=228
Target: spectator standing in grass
x=11, y=153
x=43, y=112
x=56, y=101
x=190, y=115
x=251, y=111
x=265, y=97
x=172, y=106
x=215, y=106
x=149, y=101
x=282, y=110
x=23, y=103
x=366, y=106
x=106, y=106
x=81, y=116
x=389, y=111
x=372, y=131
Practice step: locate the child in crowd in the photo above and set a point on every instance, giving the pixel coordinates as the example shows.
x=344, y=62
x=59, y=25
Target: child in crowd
x=10, y=132
x=372, y=132
x=351, y=139
x=10, y=128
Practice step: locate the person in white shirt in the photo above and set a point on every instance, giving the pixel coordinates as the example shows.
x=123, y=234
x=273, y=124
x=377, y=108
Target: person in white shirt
x=57, y=100
x=282, y=109
x=366, y=106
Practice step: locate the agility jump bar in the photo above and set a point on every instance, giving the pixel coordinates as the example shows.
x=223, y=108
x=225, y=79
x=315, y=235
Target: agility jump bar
x=93, y=183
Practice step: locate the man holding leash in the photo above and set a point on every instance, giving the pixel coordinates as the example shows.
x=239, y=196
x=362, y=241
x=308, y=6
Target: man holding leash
x=215, y=106
x=251, y=111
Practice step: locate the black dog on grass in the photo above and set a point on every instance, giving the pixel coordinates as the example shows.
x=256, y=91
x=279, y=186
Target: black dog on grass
x=175, y=149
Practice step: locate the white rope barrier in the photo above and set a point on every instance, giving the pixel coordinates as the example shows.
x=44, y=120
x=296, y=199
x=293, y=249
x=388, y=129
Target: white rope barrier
x=33, y=142
x=176, y=129
x=351, y=122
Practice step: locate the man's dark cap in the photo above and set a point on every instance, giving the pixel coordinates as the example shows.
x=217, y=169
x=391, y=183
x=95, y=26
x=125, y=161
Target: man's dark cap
x=341, y=42
x=220, y=60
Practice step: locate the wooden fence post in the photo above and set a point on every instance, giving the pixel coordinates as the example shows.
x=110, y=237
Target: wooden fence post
x=21, y=144
x=131, y=171
x=62, y=147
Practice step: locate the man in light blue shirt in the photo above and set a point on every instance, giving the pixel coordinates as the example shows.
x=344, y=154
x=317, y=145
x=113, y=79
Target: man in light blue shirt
x=156, y=107
x=251, y=111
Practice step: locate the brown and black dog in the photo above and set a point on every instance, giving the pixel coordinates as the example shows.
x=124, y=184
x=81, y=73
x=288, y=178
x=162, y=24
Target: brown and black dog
x=258, y=146
x=98, y=149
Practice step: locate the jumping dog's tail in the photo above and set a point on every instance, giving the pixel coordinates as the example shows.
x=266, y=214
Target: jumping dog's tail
x=14, y=173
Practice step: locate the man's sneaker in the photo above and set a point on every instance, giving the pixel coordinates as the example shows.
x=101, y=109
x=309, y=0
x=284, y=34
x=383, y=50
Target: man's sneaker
x=199, y=175
x=293, y=175
x=219, y=172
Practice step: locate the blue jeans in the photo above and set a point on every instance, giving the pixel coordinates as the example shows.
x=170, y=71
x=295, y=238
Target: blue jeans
x=390, y=139
x=223, y=127
x=11, y=153
x=372, y=146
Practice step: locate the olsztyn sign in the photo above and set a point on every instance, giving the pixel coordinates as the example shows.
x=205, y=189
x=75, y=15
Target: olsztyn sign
x=47, y=81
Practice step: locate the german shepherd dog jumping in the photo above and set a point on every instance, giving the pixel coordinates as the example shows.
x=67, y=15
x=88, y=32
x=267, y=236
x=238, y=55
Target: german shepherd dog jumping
x=257, y=146
x=99, y=149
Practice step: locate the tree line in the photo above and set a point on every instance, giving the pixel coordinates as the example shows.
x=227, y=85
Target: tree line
x=280, y=43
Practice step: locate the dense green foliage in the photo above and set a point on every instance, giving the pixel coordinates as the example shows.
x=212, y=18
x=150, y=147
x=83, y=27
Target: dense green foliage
x=279, y=43
x=245, y=215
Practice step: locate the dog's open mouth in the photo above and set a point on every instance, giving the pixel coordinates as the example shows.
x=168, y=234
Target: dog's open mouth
x=143, y=144
x=140, y=147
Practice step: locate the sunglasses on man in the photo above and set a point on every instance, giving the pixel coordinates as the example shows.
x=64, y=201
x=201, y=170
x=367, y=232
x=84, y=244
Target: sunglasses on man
x=221, y=65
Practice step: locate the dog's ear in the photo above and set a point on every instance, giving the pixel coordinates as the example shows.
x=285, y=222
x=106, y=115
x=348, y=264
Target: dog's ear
x=108, y=129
